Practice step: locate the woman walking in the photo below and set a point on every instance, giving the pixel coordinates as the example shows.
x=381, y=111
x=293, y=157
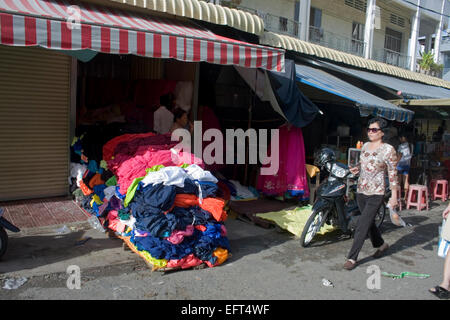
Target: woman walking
x=376, y=157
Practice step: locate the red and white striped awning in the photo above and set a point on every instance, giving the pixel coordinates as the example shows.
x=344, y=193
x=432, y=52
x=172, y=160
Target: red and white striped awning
x=64, y=25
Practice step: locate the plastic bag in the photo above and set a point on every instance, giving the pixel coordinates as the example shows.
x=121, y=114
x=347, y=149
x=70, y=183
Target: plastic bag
x=14, y=283
x=327, y=283
x=406, y=274
x=95, y=223
x=443, y=245
x=392, y=212
x=63, y=230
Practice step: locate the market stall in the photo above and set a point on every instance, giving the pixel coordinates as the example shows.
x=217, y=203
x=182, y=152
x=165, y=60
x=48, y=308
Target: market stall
x=430, y=138
x=114, y=67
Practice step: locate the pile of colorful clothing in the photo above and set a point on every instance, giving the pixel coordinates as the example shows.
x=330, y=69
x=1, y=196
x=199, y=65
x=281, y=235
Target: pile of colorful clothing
x=160, y=200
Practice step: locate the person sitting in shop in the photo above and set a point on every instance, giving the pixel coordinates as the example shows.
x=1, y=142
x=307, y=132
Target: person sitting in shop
x=437, y=136
x=163, y=117
x=181, y=121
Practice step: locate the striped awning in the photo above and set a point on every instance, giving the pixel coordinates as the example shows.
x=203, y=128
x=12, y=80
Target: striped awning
x=64, y=25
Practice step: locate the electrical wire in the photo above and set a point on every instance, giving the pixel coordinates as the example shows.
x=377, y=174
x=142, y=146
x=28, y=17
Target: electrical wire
x=426, y=9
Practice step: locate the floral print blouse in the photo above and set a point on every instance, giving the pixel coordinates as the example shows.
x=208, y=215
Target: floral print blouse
x=373, y=165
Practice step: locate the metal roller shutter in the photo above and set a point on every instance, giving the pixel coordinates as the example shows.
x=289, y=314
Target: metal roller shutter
x=34, y=123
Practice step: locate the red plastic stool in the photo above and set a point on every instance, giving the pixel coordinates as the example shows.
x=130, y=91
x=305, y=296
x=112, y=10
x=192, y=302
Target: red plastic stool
x=442, y=192
x=420, y=200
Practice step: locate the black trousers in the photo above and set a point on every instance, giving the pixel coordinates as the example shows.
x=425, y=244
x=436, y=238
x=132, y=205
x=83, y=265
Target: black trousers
x=368, y=206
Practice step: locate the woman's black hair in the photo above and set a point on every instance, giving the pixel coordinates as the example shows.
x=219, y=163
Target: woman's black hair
x=166, y=100
x=381, y=122
x=178, y=113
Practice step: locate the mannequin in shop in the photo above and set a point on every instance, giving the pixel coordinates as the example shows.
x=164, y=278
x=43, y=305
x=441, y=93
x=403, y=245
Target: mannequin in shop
x=163, y=116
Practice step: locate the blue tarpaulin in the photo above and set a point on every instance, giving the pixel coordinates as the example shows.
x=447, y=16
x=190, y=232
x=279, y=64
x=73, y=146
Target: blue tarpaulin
x=297, y=108
x=407, y=89
x=368, y=104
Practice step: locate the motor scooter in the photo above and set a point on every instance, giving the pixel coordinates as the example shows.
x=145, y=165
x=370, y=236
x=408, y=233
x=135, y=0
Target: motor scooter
x=334, y=204
x=5, y=224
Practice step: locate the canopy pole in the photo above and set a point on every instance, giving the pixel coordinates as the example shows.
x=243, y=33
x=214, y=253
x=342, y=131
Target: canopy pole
x=249, y=125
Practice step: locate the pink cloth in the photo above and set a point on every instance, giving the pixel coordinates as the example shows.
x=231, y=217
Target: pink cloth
x=177, y=236
x=136, y=145
x=223, y=231
x=114, y=223
x=291, y=174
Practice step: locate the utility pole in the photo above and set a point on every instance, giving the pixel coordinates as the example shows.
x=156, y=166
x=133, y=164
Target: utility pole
x=305, y=8
x=368, y=30
x=437, y=40
x=414, y=38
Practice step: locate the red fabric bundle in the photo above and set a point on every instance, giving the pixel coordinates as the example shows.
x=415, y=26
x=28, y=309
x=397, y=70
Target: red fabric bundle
x=110, y=147
x=186, y=262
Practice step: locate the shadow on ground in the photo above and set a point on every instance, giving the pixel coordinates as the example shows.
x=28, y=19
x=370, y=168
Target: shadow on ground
x=29, y=252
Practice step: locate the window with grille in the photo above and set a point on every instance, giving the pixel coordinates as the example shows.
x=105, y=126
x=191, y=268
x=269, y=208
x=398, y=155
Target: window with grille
x=393, y=40
x=397, y=20
x=360, y=5
x=315, y=23
x=358, y=38
x=283, y=24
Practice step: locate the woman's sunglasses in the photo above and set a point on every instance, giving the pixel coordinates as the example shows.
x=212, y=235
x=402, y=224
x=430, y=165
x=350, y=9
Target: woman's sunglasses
x=374, y=130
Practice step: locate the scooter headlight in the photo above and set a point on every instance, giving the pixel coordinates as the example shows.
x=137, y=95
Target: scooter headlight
x=339, y=172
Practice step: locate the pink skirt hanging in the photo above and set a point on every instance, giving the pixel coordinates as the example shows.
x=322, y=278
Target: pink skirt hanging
x=291, y=175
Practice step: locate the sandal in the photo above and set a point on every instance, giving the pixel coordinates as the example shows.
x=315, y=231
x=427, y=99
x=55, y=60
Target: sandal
x=381, y=250
x=350, y=265
x=440, y=292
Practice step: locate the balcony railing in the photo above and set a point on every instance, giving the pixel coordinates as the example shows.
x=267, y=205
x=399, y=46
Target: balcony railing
x=392, y=58
x=275, y=23
x=337, y=42
x=331, y=40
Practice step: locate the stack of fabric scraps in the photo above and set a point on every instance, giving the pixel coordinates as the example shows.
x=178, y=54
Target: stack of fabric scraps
x=161, y=202
x=179, y=218
x=94, y=183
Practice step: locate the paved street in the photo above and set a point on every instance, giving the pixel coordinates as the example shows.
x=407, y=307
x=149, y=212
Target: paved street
x=266, y=264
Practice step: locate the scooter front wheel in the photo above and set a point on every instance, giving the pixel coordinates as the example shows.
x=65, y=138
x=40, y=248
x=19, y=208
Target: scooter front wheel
x=381, y=214
x=3, y=241
x=312, y=226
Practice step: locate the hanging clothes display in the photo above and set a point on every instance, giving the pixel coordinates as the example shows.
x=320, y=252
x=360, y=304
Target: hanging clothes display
x=291, y=176
x=184, y=92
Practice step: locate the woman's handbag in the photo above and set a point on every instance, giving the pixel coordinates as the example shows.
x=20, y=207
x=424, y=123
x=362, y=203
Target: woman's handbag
x=443, y=245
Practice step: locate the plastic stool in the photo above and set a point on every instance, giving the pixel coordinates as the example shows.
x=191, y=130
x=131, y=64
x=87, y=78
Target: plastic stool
x=421, y=200
x=442, y=192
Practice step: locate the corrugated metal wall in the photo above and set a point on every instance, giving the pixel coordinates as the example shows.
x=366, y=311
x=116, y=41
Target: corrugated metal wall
x=34, y=123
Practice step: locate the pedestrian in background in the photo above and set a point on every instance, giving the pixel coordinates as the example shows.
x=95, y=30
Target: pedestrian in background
x=442, y=291
x=404, y=163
